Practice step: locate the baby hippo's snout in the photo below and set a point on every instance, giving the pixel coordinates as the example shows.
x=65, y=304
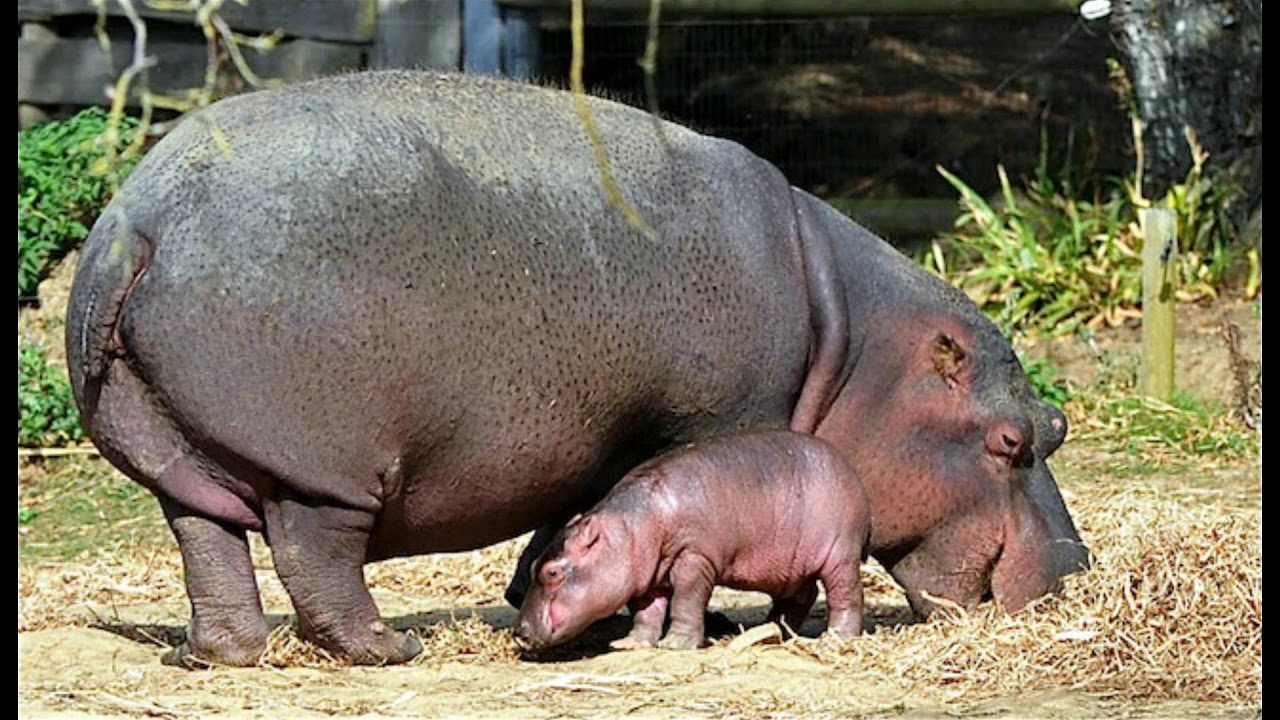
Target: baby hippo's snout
x=524, y=635
x=534, y=630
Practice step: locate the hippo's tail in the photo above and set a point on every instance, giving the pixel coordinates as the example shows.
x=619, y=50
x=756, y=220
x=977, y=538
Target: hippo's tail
x=119, y=410
x=115, y=258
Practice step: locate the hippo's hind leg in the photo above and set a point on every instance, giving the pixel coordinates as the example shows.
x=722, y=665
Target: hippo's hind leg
x=131, y=428
x=227, y=625
x=319, y=551
x=793, y=611
x=843, y=584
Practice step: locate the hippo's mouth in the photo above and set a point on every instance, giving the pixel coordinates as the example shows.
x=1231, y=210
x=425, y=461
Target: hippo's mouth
x=544, y=632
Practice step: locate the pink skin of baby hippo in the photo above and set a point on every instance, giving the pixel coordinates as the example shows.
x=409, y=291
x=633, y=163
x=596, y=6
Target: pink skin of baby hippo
x=771, y=511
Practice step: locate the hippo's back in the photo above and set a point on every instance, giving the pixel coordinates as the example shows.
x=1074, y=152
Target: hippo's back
x=420, y=276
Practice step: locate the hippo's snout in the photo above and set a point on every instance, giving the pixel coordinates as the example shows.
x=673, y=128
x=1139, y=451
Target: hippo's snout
x=523, y=635
x=531, y=636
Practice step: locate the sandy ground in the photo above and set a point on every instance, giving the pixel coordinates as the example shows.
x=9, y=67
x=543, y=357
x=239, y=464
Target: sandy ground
x=93, y=672
x=111, y=669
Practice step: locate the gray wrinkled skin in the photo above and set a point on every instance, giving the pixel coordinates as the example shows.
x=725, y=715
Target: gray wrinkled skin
x=393, y=313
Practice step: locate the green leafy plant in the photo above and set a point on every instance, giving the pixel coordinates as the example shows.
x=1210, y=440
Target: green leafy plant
x=1042, y=259
x=64, y=180
x=47, y=412
x=1046, y=378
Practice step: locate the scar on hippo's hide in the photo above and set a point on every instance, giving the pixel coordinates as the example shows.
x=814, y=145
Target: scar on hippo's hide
x=948, y=359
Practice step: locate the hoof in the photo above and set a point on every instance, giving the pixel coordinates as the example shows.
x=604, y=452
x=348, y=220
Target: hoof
x=631, y=643
x=844, y=634
x=403, y=648
x=680, y=642
x=184, y=656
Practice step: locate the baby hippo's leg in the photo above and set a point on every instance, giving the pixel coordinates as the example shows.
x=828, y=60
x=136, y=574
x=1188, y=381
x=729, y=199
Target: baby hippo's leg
x=692, y=579
x=793, y=611
x=844, y=594
x=648, y=613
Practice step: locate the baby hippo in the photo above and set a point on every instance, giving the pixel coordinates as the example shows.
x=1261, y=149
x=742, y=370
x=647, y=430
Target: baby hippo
x=770, y=511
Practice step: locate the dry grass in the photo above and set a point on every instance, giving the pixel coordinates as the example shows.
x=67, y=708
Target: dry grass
x=469, y=640
x=60, y=594
x=477, y=577
x=1171, y=609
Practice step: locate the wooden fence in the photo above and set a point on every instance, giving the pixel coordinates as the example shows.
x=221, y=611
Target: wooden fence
x=62, y=62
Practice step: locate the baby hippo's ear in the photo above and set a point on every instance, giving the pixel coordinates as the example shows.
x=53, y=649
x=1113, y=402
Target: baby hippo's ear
x=585, y=532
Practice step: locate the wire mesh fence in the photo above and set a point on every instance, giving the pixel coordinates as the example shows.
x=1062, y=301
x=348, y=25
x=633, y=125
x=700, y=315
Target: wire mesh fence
x=860, y=107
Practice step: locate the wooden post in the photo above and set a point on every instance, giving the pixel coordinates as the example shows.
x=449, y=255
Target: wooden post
x=1159, y=255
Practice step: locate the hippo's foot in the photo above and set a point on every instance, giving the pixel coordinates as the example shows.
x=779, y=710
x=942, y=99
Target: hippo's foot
x=379, y=646
x=631, y=642
x=648, y=613
x=842, y=635
x=681, y=641
x=238, y=653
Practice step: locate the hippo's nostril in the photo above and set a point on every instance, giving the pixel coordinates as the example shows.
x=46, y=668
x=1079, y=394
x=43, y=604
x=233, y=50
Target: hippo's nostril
x=1010, y=441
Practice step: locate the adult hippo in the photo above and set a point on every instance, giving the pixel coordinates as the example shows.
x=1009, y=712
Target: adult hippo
x=395, y=313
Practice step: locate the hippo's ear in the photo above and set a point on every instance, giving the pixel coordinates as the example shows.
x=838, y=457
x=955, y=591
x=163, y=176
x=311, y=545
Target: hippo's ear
x=949, y=359
x=586, y=532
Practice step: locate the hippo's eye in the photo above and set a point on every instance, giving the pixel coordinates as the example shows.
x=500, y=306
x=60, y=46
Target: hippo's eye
x=552, y=573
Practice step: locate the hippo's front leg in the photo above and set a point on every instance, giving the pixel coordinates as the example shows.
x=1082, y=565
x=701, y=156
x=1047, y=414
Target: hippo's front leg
x=648, y=615
x=227, y=625
x=793, y=611
x=693, y=578
x=319, y=552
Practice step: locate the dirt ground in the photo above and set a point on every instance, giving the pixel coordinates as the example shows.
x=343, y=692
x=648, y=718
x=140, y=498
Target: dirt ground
x=91, y=628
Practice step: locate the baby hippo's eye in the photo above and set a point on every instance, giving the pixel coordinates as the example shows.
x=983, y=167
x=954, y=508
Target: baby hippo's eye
x=552, y=573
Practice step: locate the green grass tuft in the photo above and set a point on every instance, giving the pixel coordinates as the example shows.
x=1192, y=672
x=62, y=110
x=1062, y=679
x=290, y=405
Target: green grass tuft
x=79, y=507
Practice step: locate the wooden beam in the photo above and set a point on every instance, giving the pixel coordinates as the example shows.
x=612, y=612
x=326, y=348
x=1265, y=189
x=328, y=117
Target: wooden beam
x=1159, y=258
x=75, y=71
x=341, y=20
x=825, y=8
x=418, y=34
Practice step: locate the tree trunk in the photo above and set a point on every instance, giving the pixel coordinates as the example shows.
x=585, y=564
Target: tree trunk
x=1198, y=64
